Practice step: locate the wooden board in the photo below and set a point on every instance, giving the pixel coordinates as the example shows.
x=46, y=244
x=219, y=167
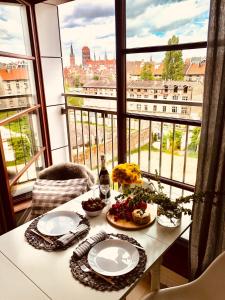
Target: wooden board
x=129, y=225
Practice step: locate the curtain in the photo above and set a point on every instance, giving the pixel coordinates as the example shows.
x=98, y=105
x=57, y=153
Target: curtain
x=208, y=228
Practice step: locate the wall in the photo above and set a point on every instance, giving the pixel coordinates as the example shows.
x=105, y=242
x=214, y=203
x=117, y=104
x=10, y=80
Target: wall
x=51, y=60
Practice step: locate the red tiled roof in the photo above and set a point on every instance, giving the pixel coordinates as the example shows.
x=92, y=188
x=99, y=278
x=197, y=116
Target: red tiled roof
x=14, y=74
x=196, y=69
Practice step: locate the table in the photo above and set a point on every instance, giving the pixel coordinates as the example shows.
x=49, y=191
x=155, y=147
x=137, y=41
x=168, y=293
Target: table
x=50, y=272
x=15, y=285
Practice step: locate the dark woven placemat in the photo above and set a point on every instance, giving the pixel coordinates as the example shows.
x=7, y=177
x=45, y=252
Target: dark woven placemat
x=94, y=281
x=40, y=243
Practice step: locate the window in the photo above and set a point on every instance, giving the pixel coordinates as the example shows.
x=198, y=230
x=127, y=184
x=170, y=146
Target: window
x=174, y=109
x=166, y=88
x=185, y=89
x=154, y=108
x=138, y=90
x=138, y=106
x=183, y=109
x=164, y=108
x=17, y=76
x=146, y=107
x=175, y=89
x=185, y=98
x=155, y=96
x=165, y=97
x=175, y=97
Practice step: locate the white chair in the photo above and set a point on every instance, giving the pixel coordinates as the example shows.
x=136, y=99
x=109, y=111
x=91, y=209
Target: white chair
x=209, y=286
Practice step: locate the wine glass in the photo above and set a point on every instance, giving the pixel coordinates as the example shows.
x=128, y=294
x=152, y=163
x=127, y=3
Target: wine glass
x=94, y=189
x=104, y=188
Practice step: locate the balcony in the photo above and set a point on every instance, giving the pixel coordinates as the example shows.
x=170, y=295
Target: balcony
x=155, y=124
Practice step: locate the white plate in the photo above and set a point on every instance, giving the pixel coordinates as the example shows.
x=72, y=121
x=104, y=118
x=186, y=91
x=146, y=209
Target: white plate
x=58, y=222
x=113, y=257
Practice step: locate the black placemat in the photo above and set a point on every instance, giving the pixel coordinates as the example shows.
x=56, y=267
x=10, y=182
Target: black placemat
x=40, y=243
x=94, y=281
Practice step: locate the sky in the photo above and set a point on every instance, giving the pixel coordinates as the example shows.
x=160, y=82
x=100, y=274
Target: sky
x=12, y=36
x=92, y=23
x=149, y=22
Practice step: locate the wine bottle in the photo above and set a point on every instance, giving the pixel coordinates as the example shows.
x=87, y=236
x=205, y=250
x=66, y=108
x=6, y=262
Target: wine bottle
x=104, y=180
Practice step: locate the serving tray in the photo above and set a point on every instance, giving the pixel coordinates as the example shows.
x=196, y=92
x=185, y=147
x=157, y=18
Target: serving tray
x=129, y=225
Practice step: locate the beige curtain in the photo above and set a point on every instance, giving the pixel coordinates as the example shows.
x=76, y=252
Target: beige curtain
x=207, y=233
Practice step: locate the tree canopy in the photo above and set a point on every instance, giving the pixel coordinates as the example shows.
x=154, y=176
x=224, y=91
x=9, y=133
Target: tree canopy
x=147, y=71
x=173, y=65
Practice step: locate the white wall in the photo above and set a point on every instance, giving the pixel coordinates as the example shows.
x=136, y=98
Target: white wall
x=51, y=60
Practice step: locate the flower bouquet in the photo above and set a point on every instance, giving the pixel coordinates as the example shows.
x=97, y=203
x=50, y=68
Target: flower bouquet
x=126, y=174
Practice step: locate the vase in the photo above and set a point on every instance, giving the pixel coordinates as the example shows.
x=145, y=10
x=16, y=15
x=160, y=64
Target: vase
x=124, y=188
x=166, y=221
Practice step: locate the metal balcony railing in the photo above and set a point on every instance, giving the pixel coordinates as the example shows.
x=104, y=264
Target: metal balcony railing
x=168, y=145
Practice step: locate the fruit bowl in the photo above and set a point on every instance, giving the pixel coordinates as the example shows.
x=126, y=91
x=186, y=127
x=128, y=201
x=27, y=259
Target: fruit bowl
x=93, y=206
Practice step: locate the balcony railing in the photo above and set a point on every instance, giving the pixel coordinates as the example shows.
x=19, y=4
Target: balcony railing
x=168, y=145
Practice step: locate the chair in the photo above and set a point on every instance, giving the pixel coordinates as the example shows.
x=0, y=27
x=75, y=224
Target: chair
x=56, y=185
x=209, y=286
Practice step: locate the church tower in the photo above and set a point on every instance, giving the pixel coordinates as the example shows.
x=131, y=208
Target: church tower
x=72, y=57
x=85, y=55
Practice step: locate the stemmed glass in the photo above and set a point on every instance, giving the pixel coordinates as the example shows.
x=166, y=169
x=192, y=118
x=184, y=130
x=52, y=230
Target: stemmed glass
x=104, y=189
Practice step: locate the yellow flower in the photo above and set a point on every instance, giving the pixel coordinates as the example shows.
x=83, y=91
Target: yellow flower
x=126, y=173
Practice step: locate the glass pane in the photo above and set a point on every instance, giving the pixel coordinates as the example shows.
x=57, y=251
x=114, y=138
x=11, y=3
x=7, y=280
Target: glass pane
x=92, y=134
x=21, y=141
x=151, y=22
x=167, y=84
x=17, y=87
x=14, y=35
x=88, y=47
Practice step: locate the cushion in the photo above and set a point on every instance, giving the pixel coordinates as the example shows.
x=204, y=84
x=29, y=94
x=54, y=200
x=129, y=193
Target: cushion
x=66, y=171
x=48, y=194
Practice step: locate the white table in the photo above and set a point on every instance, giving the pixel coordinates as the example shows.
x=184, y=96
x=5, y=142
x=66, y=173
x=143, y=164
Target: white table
x=15, y=285
x=50, y=271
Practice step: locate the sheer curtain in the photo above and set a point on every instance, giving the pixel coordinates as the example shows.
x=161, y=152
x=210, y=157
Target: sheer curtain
x=207, y=233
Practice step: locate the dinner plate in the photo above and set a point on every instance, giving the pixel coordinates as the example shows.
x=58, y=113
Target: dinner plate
x=58, y=222
x=113, y=257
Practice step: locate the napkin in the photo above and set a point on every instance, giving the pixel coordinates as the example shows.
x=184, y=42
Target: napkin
x=83, y=248
x=70, y=236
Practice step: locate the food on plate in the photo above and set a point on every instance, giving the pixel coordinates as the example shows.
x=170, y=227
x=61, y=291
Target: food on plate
x=140, y=216
x=123, y=209
x=93, y=204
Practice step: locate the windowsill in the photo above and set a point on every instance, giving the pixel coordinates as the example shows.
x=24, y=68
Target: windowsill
x=21, y=206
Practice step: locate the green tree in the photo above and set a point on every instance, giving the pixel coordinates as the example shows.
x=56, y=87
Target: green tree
x=95, y=77
x=22, y=148
x=195, y=138
x=173, y=65
x=75, y=101
x=147, y=72
x=176, y=142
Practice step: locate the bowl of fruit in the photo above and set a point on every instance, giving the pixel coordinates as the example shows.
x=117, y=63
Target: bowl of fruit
x=93, y=206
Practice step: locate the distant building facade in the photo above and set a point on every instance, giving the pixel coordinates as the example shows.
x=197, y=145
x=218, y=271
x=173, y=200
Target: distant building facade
x=14, y=80
x=151, y=97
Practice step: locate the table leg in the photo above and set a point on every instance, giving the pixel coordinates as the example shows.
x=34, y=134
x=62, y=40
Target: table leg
x=155, y=275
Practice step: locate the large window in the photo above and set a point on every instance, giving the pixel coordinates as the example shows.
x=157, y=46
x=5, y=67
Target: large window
x=161, y=60
x=21, y=137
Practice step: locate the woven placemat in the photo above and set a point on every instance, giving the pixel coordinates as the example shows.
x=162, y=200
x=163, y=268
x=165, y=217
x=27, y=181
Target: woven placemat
x=40, y=243
x=94, y=281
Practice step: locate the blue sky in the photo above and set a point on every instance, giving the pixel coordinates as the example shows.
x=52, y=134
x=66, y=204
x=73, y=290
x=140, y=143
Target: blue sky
x=149, y=22
x=92, y=23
